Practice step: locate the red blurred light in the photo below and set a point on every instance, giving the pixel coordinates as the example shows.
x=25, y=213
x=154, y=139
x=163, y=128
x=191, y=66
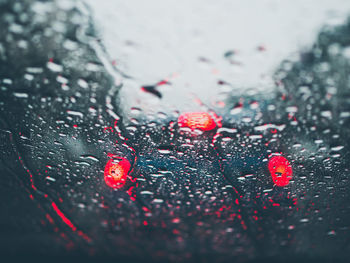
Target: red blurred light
x=116, y=171
x=281, y=170
x=63, y=217
x=197, y=120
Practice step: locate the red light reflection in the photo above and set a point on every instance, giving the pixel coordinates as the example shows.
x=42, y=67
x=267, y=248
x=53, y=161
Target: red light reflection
x=281, y=170
x=116, y=171
x=197, y=120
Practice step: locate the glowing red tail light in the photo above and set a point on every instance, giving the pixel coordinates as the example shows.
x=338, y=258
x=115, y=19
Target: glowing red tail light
x=281, y=170
x=197, y=120
x=116, y=171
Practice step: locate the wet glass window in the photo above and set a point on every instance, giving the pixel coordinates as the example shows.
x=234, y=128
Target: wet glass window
x=175, y=131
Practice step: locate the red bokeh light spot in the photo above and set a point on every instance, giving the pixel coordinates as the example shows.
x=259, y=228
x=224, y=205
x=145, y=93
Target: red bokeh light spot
x=280, y=170
x=197, y=120
x=116, y=171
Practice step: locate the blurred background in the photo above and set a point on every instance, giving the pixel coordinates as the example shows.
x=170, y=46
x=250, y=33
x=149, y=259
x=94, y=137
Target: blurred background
x=84, y=82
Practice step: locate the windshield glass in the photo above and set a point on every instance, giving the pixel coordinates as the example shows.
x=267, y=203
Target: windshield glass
x=189, y=131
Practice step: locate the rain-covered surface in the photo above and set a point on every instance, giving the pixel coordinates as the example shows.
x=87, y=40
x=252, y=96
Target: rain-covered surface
x=70, y=101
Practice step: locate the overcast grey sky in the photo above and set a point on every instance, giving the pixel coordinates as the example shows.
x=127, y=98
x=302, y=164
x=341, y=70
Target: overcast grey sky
x=185, y=41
